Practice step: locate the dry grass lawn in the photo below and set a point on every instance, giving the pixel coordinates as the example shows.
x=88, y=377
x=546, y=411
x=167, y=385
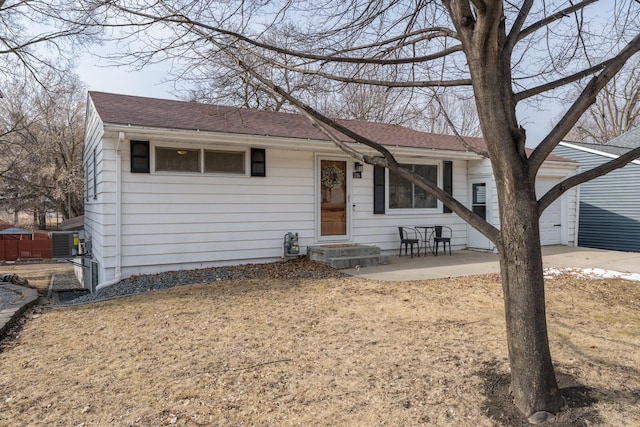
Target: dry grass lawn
x=38, y=273
x=329, y=352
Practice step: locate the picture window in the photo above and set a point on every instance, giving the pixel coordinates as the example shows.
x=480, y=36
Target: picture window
x=405, y=195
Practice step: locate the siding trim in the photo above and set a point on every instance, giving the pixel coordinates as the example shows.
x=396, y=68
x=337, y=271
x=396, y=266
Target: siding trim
x=592, y=151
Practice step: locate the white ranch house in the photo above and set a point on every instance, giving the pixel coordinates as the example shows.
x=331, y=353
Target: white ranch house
x=179, y=185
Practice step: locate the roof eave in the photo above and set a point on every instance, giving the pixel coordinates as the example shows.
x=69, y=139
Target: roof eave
x=171, y=134
x=594, y=151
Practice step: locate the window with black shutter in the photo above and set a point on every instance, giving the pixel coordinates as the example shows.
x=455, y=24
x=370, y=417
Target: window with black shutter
x=378, y=190
x=140, y=157
x=258, y=162
x=447, y=181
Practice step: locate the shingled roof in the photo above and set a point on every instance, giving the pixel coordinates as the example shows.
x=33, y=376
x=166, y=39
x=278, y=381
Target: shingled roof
x=628, y=140
x=168, y=114
x=139, y=111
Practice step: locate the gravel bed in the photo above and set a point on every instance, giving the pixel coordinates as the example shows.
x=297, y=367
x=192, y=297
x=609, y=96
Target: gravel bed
x=299, y=268
x=65, y=281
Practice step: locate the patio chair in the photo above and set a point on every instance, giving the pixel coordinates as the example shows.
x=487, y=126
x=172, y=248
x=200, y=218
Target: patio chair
x=408, y=237
x=442, y=234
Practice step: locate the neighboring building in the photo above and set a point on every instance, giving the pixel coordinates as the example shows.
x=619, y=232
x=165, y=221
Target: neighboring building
x=179, y=185
x=609, y=214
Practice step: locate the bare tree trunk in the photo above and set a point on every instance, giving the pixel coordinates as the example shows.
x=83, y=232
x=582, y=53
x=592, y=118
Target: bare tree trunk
x=533, y=382
x=42, y=220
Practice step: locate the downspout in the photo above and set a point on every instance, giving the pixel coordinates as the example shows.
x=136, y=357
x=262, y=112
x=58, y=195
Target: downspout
x=118, y=274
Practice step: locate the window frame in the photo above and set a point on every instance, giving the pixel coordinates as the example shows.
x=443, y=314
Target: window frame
x=408, y=211
x=217, y=149
x=176, y=147
x=202, y=149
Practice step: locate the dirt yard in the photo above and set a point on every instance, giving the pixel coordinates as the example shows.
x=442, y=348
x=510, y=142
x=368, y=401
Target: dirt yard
x=328, y=352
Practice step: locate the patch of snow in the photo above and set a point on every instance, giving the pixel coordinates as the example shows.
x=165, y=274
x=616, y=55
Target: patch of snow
x=591, y=273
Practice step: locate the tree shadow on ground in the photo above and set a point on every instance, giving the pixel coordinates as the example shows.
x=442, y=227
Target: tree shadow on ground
x=500, y=408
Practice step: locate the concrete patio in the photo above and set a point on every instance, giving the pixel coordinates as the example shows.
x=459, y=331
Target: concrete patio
x=468, y=263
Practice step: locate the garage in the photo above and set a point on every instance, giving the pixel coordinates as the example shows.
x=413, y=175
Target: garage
x=551, y=223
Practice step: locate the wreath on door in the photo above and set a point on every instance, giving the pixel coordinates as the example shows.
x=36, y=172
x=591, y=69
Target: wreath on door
x=332, y=177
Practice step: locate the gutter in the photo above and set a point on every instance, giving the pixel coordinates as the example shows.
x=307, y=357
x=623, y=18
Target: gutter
x=118, y=273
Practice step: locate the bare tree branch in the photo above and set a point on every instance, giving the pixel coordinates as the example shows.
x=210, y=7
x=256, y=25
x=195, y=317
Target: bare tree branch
x=514, y=34
x=586, y=98
x=178, y=18
x=561, y=82
x=554, y=17
x=459, y=137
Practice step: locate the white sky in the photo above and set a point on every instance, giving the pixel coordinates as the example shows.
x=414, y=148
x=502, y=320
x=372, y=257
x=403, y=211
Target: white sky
x=147, y=82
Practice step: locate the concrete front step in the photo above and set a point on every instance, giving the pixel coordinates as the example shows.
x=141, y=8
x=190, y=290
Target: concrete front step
x=346, y=255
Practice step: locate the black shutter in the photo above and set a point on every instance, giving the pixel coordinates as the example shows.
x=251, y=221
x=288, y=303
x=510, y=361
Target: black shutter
x=258, y=162
x=378, y=190
x=447, y=181
x=140, y=156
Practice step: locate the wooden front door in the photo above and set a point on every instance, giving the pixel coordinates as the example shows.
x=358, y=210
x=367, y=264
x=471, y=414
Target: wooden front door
x=333, y=198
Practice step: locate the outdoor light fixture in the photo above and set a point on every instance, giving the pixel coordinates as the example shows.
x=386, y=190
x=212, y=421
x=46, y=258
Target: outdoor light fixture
x=357, y=170
x=181, y=152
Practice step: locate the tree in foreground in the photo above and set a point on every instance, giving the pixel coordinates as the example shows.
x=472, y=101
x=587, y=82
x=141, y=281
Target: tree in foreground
x=504, y=52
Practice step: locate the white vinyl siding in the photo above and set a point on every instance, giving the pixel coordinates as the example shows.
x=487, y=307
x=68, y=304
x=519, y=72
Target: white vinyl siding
x=563, y=209
x=173, y=220
x=382, y=230
x=197, y=220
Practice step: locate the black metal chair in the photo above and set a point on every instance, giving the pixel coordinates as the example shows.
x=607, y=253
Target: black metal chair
x=442, y=234
x=408, y=237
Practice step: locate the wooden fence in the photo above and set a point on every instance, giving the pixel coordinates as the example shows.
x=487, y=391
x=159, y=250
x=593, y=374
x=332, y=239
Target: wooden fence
x=39, y=247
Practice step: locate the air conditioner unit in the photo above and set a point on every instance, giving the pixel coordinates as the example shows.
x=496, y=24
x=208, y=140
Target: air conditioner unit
x=63, y=245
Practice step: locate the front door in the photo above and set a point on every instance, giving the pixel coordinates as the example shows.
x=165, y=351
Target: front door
x=479, y=206
x=333, y=199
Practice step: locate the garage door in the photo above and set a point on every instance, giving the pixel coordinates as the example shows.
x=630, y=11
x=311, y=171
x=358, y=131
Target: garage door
x=551, y=219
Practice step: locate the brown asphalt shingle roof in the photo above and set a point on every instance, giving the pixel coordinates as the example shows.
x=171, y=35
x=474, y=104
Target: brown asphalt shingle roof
x=169, y=114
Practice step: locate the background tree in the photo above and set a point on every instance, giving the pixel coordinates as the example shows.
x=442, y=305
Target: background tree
x=504, y=52
x=616, y=110
x=38, y=40
x=41, y=147
x=225, y=82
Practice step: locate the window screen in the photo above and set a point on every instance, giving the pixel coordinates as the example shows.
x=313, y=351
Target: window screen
x=177, y=160
x=224, y=161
